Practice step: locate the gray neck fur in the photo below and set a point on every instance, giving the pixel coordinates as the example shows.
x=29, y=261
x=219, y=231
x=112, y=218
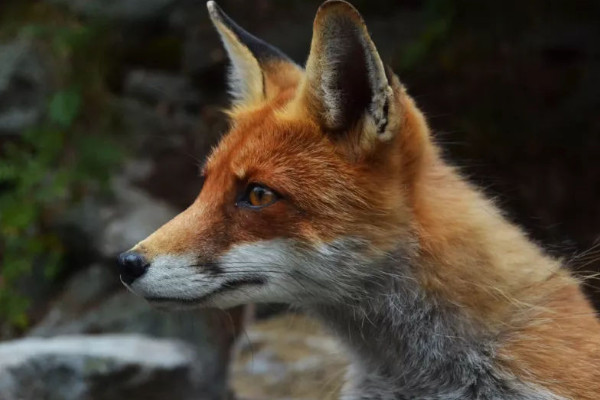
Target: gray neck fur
x=405, y=345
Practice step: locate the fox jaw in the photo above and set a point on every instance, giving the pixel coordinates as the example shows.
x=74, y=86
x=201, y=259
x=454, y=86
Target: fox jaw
x=308, y=190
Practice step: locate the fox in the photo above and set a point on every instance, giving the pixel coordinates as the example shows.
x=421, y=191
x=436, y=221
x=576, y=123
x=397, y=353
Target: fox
x=329, y=193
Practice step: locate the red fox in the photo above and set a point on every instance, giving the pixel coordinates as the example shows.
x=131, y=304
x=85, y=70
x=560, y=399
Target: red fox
x=329, y=193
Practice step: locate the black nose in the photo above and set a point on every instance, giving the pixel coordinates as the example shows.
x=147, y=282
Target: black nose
x=132, y=266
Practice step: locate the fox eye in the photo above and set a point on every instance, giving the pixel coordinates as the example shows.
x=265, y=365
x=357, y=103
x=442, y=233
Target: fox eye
x=259, y=196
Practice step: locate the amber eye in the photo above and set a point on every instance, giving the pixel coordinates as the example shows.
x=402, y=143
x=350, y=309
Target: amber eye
x=259, y=196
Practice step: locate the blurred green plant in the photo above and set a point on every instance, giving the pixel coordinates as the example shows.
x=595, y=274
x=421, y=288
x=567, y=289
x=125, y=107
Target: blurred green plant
x=70, y=153
x=439, y=15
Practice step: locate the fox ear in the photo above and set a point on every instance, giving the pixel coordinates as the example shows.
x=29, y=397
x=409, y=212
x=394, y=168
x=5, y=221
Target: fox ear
x=346, y=82
x=258, y=70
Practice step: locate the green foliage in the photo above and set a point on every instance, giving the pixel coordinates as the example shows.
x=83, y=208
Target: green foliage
x=64, y=107
x=71, y=152
x=439, y=16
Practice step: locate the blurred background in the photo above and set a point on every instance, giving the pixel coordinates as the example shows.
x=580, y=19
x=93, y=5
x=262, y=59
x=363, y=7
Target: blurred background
x=108, y=107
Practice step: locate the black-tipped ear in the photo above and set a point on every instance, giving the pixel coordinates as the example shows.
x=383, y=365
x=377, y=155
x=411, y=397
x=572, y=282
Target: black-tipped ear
x=251, y=77
x=345, y=78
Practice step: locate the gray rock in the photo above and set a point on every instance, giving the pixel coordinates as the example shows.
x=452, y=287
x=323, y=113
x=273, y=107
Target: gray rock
x=154, y=129
x=133, y=217
x=82, y=294
x=94, y=302
x=199, y=54
x=122, y=11
x=113, y=225
x=288, y=356
x=160, y=110
x=23, y=87
x=106, y=367
x=153, y=87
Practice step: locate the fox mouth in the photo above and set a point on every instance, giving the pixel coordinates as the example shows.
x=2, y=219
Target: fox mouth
x=195, y=301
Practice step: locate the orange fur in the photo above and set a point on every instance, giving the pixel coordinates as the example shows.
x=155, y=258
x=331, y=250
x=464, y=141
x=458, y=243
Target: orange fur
x=557, y=346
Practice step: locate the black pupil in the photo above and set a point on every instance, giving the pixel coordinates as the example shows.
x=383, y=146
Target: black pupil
x=259, y=192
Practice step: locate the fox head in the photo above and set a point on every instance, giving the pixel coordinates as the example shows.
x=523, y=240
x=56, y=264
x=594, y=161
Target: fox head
x=311, y=188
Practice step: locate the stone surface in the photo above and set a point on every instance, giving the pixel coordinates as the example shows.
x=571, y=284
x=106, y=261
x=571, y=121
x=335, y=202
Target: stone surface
x=122, y=11
x=97, y=367
x=114, y=224
x=288, y=357
x=94, y=302
x=132, y=217
x=155, y=87
x=83, y=293
x=23, y=87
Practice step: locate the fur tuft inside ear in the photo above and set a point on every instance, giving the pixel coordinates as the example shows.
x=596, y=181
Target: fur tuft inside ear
x=345, y=77
x=250, y=59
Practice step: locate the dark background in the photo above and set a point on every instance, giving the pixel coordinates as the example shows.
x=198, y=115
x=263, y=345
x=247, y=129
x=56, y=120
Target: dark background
x=107, y=108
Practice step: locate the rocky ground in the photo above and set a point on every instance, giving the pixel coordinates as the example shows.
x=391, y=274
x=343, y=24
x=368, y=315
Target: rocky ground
x=287, y=357
x=284, y=357
x=100, y=367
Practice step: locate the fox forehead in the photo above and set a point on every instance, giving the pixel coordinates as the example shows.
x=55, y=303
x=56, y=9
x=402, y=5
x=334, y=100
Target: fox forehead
x=263, y=147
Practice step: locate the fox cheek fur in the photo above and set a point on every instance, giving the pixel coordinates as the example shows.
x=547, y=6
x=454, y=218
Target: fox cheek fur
x=329, y=192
